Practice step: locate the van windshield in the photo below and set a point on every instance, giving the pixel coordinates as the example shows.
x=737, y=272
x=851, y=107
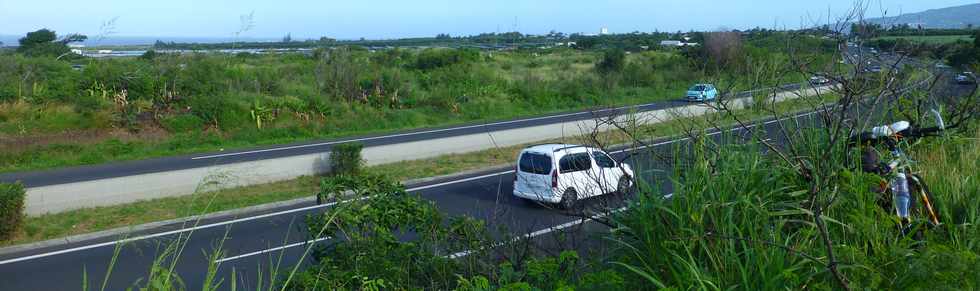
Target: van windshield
x=696, y=88
x=535, y=164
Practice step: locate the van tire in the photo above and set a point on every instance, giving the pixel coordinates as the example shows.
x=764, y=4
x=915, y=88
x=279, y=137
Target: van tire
x=568, y=199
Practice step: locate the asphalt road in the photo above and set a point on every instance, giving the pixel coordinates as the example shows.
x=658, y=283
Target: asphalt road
x=277, y=237
x=156, y=165
x=481, y=195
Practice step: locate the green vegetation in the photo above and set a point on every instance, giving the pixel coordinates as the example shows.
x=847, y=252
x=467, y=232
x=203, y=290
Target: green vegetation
x=52, y=115
x=12, y=198
x=931, y=39
x=45, y=42
x=959, y=50
x=345, y=159
x=743, y=220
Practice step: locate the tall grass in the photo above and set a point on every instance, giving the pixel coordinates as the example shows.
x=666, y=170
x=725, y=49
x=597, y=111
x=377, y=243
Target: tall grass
x=738, y=219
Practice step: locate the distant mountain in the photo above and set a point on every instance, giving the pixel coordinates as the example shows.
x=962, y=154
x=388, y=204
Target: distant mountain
x=950, y=17
x=11, y=40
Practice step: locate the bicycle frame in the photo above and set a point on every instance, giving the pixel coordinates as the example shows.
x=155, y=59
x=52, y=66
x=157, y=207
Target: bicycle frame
x=902, y=163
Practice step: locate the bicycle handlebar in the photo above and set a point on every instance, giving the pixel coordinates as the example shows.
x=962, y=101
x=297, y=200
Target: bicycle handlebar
x=911, y=132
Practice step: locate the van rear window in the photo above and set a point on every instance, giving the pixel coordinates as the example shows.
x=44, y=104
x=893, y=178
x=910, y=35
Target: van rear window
x=535, y=164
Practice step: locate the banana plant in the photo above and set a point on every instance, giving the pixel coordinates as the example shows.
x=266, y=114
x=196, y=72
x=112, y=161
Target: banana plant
x=260, y=113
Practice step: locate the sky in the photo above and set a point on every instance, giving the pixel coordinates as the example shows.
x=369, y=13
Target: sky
x=377, y=19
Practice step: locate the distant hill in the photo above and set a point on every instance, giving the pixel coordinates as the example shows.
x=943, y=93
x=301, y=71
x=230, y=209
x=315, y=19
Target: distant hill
x=11, y=40
x=950, y=17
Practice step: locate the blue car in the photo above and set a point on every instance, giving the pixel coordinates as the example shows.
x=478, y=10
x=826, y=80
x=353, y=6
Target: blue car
x=702, y=92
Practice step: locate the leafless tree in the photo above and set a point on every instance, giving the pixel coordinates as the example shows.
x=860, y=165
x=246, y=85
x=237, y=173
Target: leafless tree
x=723, y=47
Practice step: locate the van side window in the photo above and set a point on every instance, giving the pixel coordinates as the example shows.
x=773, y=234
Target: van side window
x=535, y=164
x=575, y=162
x=603, y=160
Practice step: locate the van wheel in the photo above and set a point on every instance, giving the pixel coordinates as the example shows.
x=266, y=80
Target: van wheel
x=626, y=186
x=568, y=199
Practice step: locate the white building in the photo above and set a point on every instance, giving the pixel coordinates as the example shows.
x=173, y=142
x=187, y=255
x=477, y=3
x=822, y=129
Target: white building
x=676, y=43
x=76, y=48
x=603, y=31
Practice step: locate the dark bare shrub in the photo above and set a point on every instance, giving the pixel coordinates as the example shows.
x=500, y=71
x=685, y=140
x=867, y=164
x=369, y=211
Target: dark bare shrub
x=11, y=209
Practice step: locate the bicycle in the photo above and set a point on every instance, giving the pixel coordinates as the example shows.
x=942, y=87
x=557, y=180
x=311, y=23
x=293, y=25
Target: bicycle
x=905, y=188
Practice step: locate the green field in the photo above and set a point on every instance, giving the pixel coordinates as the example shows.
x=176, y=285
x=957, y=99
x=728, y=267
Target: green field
x=932, y=39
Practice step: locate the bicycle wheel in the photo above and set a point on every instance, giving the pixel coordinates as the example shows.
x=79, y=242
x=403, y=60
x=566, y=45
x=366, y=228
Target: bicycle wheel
x=928, y=208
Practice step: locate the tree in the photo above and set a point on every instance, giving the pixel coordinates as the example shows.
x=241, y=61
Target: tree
x=723, y=47
x=44, y=42
x=976, y=40
x=327, y=40
x=149, y=55
x=613, y=60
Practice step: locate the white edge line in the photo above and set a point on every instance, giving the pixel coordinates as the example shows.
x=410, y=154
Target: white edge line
x=538, y=233
x=149, y=236
x=272, y=249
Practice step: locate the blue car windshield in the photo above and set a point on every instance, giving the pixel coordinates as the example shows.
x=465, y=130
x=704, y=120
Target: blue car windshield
x=697, y=88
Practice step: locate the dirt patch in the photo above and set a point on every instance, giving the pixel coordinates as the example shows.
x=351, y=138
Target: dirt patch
x=20, y=143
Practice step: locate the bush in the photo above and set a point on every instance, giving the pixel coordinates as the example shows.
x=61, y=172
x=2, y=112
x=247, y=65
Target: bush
x=220, y=110
x=345, y=159
x=437, y=58
x=11, y=208
x=612, y=61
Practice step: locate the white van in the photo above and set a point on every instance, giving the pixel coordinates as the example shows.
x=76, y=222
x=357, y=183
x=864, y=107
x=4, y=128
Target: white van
x=565, y=173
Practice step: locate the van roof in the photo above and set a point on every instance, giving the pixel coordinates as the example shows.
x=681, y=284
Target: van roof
x=551, y=147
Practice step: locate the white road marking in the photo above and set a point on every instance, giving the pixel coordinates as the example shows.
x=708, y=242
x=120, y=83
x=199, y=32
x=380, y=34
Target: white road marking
x=539, y=232
x=182, y=230
x=272, y=249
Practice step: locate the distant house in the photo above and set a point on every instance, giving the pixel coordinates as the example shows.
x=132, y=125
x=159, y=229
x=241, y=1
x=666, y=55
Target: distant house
x=671, y=43
x=76, y=48
x=676, y=43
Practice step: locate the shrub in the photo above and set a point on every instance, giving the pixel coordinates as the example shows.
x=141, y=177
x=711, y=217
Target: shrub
x=437, y=58
x=345, y=159
x=11, y=208
x=220, y=110
x=612, y=61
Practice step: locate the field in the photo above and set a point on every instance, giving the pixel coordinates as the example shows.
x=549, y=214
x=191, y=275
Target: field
x=932, y=39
